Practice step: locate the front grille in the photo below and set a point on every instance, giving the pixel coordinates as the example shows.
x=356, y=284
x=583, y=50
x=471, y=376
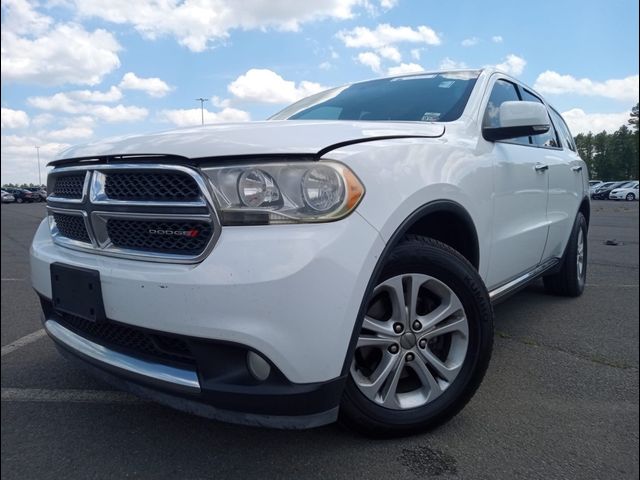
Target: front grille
x=146, y=211
x=132, y=339
x=173, y=237
x=72, y=226
x=69, y=186
x=151, y=186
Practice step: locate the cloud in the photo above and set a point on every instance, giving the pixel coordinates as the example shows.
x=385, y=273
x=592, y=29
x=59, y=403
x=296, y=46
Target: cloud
x=192, y=116
x=14, y=118
x=19, y=161
x=72, y=103
x=450, y=64
x=470, y=42
x=623, y=89
x=390, y=53
x=512, y=64
x=497, y=39
x=388, y=4
x=24, y=18
x=370, y=59
x=405, y=68
x=152, y=86
x=67, y=53
x=200, y=24
x=266, y=86
x=416, y=53
x=384, y=35
x=69, y=133
x=581, y=122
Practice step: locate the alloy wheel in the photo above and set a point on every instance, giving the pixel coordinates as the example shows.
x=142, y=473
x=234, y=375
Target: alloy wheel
x=413, y=342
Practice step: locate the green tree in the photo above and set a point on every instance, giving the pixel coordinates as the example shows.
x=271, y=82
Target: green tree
x=633, y=118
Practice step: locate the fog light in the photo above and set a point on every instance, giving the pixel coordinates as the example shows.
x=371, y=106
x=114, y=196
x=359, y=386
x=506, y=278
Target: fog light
x=258, y=366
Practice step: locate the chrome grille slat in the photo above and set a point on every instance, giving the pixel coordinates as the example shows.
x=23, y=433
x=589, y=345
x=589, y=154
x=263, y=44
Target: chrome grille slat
x=143, y=231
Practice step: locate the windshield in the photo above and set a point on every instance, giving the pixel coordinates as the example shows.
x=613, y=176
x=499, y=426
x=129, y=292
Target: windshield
x=432, y=97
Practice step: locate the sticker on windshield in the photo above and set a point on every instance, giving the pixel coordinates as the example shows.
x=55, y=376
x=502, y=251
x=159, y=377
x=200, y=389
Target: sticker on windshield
x=446, y=84
x=430, y=116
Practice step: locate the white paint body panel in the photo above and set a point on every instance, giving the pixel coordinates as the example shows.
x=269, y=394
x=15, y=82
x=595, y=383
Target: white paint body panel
x=293, y=291
x=254, y=138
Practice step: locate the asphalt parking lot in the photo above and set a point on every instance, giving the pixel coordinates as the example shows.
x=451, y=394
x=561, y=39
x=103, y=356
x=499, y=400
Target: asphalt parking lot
x=560, y=399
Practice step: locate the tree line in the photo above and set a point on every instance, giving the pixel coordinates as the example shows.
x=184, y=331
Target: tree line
x=612, y=156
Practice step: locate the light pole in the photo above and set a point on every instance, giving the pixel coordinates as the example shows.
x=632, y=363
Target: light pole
x=39, y=176
x=202, y=100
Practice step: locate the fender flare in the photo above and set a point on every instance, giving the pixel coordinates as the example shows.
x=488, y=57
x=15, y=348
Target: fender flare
x=415, y=216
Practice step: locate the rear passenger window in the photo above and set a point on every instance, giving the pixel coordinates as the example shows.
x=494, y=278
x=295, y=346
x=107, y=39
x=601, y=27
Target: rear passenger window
x=548, y=139
x=563, y=130
x=503, y=91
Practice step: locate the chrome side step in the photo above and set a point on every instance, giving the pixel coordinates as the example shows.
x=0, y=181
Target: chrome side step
x=170, y=377
x=521, y=281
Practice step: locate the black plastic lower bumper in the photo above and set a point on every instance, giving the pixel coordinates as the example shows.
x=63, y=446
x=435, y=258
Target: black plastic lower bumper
x=223, y=388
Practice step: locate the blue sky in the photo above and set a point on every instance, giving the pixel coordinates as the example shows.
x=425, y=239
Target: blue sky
x=75, y=70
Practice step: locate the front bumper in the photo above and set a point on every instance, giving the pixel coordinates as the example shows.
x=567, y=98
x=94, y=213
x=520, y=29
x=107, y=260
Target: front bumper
x=289, y=292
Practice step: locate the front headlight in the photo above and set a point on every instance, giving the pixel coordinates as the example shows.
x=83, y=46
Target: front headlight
x=275, y=193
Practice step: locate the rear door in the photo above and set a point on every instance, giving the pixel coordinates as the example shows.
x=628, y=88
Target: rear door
x=520, y=224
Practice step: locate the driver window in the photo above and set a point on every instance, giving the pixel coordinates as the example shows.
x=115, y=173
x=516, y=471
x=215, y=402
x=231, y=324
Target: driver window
x=503, y=91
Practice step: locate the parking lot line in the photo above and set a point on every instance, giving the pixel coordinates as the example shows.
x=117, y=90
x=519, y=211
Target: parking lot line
x=78, y=396
x=21, y=342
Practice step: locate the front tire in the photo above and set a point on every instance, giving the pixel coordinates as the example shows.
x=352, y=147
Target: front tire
x=424, y=345
x=570, y=280
x=630, y=197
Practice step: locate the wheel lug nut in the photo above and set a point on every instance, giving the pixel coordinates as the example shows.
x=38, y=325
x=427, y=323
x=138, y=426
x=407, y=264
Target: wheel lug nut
x=394, y=348
x=398, y=327
x=417, y=325
x=410, y=357
x=422, y=343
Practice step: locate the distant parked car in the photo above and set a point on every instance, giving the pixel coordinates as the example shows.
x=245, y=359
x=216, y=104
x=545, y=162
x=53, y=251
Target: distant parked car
x=22, y=195
x=593, y=185
x=602, y=192
x=7, y=197
x=627, y=191
x=41, y=193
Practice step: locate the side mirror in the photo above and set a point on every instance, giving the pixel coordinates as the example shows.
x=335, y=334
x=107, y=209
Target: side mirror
x=518, y=119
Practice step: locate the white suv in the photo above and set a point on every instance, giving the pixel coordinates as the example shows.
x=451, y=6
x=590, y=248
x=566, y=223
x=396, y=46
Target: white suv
x=338, y=260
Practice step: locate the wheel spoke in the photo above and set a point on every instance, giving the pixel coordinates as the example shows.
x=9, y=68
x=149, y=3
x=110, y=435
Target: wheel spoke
x=395, y=288
x=412, y=301
x=427, y=379
x=441, y=313
x=446, y=372
x=371, y=386
x=453, y=325
x=388, y=393
x=377, y=326
x=373, y=341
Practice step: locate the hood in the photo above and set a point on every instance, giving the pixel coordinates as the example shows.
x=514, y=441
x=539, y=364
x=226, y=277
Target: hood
x=253, y=138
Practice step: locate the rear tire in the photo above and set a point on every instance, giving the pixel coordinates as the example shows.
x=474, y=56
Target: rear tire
x=420, y=266
x=570, y=280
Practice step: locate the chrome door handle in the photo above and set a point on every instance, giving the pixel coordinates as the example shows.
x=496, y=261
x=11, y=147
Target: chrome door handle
x=577, y=168
x=541, y=167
